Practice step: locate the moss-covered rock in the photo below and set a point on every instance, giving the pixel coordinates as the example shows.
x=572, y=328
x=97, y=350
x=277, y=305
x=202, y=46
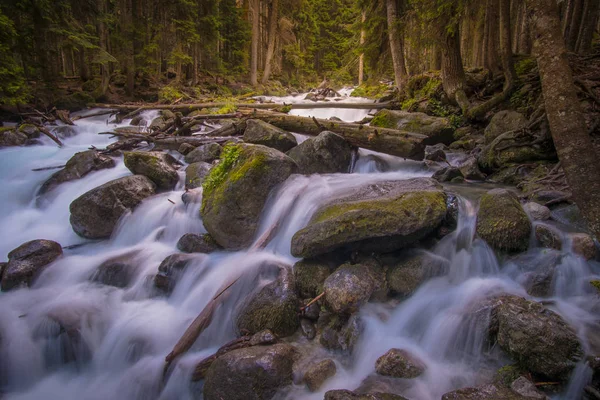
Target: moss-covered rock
x=310, y=275
x=11, y=137
x=95, y=214
x=206, y=153
x=274, y=307
x=196, y=173
x=317, y=373
x=400, y=363
x=503, y=152
x=77, y=167
x=158, y=167
x=351, y=286
x=194, y=243
x=502, y=122
x=340, y=332
x=438, y=128
x=254, y=373
x=484, y=392
x=237, y=189
x=74, y=102
x=260, y=132
x=327, y=153
x=406, y=274
x=383, y=217
x=502, y=222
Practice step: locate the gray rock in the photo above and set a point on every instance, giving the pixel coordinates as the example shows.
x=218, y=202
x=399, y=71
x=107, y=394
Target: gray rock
x=158, y=167
x=196, y=173
x=539, y=281
x=404, y=276
x=316, y=374
x=327, y=153
x=439, y=129
x=308, y=328
x=186, y=149
x=233, y=203
x=11, y=137
x=502, y=122
x=170, y=271
x=470, y=170
x=194, y=243
x=254, y=373
x=377, y=217
x=569, y=215
x=400, y=364
x=114, y=273
x=526, y=388
x=77, y=167
x=310, y=274
x=260, y=132
x=548, y=236
x=351, y=286
x=274, y=307
x=95, y=214
x=436, y=152
x=27, y=261
x=206, y=153
x=502, y=222
x=340, y=332
x=158, y=124
x=485, y=392
x=537, y=211
x=538, y=338
x=448, y=174
x=583, y=244
x=349, y=395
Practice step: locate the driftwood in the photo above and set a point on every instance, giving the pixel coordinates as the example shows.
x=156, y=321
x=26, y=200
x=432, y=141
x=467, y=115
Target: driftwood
x=63, y=115
x=48, y=168
x=186, y=130
x=173, y=143
x=264, y=106
x=390, y=141
x=50, y=135
x=96, y=114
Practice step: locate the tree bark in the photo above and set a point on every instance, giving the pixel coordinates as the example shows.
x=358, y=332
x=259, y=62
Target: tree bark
x=273, y=20
x=361, y=59
x=491, y=60
x=453, y=73
x=565, y=116
x=574, y=24
x=255, y=6
x=508, y=65
x=588, y=26
x=396, y=43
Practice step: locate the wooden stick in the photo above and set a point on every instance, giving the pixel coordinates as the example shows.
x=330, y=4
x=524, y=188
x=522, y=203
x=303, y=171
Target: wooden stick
x=48, y=168
x=50, y=135
x=97, y=114
x=313, y=301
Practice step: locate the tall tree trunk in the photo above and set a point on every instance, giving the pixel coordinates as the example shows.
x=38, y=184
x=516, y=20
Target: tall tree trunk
x=255, y=7
x=104, y=67
x=525, y=40
x=508, y=65
x=574, y=25
x=453, y=73
x=492, y=61
x=565, y=116
x=361, y=58
x=396, y=43
x=588, y=26
x=273, y=20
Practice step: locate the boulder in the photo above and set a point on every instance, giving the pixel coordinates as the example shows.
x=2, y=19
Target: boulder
x=338, y=332
x=503, y=152
x=539, y=339
x=12, y=137
x=308, y=328
x=317, y=373
x=170, y=270
x=436, y=152
x=77, y=167
x=583, y=245
x=261, y=132
x=158, y=124
x=485, y=392
x=448, y=174
x=27, y=261
x=526, y=388
x=114, y=273
x=378, y=217
x=569, y=215
x=327, y=153
x=186, y=149
x=158, y=167
x=196, y=173
x=502, y=122
x=194, y=243
x=541, y=270
x=349, y=395
x=470, y=170
x=95, y=214
x=537, y=211
x=351, y=286
x=310, y=274
x=254, y=373
x=400, y=363
x=405, y=275
x=237, y=189
x=30, y=130
x=439, y=129
x=206, y=153
x=548, y=236
x=502, y=222
x=274, y=307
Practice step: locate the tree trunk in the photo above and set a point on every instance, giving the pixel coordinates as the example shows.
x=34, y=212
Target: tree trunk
x=104, y=67
x=588, y=26
x=255, y=6
x=361, y=59
x=565, y=116
x=491, y=60
x=453, y=73
x=574, y=25
x=508, y=65
x=396, y=44
x=273, y=19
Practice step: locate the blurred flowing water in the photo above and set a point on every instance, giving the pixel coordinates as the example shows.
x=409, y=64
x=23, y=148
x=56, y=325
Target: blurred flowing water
x=68, y=337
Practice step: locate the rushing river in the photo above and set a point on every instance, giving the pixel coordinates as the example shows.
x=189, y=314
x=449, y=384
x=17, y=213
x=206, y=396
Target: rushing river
x=125, y=334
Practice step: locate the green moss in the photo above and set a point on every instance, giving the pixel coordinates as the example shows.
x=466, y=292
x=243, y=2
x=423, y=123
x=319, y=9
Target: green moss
x=408, y=104
x=229, y=108
x=5, y=129
x=596, y=284
x=383, y=120
x=370, y=91
x=169, y=94
x=525, y=66
x=25, y=127
x=508, y=374
x=229, y=157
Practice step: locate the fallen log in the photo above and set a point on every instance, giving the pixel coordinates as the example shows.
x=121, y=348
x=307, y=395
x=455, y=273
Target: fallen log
x=50, y=135
x=229, y=129
x=96, y=114
x=389, y=141
x=264, y=106
x=173, y=143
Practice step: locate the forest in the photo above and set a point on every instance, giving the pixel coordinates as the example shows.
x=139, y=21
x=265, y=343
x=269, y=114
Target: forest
x=300, y=199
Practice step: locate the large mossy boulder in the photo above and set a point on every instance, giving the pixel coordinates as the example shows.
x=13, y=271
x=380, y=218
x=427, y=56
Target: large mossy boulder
x=534, y=336
x=95, y=214
x=27, y=261
x=261, y=132
x=273, y=307
x=327, y=153
x=254, y=373
x=77, y=167
x=502, y=222
x=502, y=122
x=158, y=167
x=351, y=286
x=237, y=189
x=378, y=217
x=439, y=129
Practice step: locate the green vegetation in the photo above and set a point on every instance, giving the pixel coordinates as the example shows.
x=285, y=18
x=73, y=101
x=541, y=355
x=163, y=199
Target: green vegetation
x=229, y=157
x=169, y=94
x=370, y=91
